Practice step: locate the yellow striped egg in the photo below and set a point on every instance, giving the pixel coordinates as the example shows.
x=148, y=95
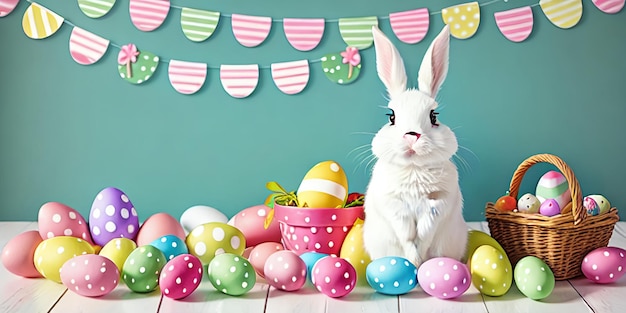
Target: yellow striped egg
x=325, y=185
x=39, y=22
x=562, y=13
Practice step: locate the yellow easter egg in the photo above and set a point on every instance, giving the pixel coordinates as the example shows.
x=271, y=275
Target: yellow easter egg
x=475, y=239
x=491, y=271
x=214, y=238
x=118, y=250
x=354, y=252
x=39, y=22
x=463, y=19
x=325, y=185
x=52, y=253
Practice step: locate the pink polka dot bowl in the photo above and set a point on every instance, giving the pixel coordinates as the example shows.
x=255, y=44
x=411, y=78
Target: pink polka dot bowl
x=320, y=230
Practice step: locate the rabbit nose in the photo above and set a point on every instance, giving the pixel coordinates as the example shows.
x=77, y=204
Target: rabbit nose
x=411, y=137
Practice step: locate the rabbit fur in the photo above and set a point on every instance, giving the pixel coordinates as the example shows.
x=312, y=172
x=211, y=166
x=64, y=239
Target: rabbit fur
x=413, y=202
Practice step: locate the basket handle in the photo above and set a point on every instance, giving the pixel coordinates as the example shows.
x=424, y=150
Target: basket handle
x=578, y=211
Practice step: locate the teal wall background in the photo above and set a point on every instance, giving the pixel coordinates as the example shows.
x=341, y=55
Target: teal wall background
x=67, y=130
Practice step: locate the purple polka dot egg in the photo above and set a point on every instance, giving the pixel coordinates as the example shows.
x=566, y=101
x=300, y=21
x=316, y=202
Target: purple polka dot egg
x=392, y=275
x=181, y=276
x=444, y=278
x=333, y=276
x=112, y=216
x=90, y=275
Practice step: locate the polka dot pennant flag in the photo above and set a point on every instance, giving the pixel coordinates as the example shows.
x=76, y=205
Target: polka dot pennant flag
x=95, y=8
x=291, y=77
x=39, y=22
x=187, y=77
x=86, y=48
x=357, y=31
x=250, y=31
x=148, y=15
x=135, y=66
x=342, y=67
x=304, y=34
x=410, y=26
x=562, y=13
x=239, y=81
x=606, y=6
x=463, y=19
x=515, y=24
x=198, y=25
x=7, y=6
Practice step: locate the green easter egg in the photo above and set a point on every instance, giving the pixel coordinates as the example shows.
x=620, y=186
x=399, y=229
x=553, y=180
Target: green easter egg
x=337, y=71
x=140, y=71
x=142, y=268
x=534, y=278
x=231, y=274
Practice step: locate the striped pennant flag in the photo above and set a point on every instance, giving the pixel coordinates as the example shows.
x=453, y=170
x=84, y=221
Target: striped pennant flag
x=250, y=31
x=148, y=15
x=463, y=19
x=7, y=6
x=95, y=8
x=39, y=22
x=606, y=6
x=562, y=13
x=187, y=77
x=304, y=34
x=239, y=81
x=198, y=25
x=515, y=24
x=87, y=48
x=410, y=26
x=357, y=31
x=291, y=77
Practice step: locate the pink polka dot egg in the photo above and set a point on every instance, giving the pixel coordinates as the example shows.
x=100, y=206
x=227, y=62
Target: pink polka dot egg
x=90, y=275
x=391, y=275
x=285, y=270
x=57, y=219
x=112, y=216
x=604, y=265
x=333, y=276
x=444, y=278
x=180, y=276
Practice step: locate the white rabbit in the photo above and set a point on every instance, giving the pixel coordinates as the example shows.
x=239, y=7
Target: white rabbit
x=413, y=202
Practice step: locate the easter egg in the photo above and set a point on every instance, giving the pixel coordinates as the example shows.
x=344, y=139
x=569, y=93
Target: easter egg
x=354, y=252
x=18, y=254
x=553, y=185
x=475, y=239
x=112, y=216
x=180, y=276
x=325, y=185
x=201, y=214
x=534, y=278
x=170, y=245
x=596, y=204
x=157, y=226
x=443, y=277
x=90, y=275
x=118, y=250
x=251, y=222
x=142, y=268
x=52, y=253
x=210, y=239
x=333, y=276
x=491, y=271
x=310, y=258
x=231, y=274
x=285, y=270
x=528, y=203
x=505, y=203
x=58, y=219
x=391, y=275
x=260, y=253
x=549, y=207
x=604, y=265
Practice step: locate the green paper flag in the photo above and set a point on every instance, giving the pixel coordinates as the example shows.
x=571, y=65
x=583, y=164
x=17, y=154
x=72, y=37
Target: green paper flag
x=357, y=31
x=198, y=25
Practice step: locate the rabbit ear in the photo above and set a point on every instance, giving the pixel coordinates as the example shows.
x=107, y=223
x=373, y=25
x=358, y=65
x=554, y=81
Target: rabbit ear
x=389, y=63
x=434, y=66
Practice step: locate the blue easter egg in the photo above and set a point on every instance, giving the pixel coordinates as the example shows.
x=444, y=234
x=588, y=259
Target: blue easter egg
x=391, y=275
x=170, y=245
x=310, y=258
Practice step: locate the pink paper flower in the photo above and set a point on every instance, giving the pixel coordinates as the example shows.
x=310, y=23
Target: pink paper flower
x=351, y=56
x=128, y=54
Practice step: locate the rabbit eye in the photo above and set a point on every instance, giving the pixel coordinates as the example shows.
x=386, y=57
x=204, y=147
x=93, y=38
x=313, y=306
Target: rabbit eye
x=433, y=118
x=392, y=117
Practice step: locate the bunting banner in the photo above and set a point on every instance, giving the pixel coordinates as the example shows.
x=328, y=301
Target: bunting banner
x=250, y=31
x=39, y=22
x=562, y=13
x=609, y=6
x=304, y=34
x=239, y=81
x=198, y=25
x=187, y=77
x=148, y=15
x=87, y=48
x=291, y=77
x=357, y=31
x=95, y=8
x=463, y=19
x=515, y=24
x=410, y=26
x=7, y=6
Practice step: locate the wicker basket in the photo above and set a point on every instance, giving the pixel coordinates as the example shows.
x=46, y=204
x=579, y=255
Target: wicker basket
x=563, y=240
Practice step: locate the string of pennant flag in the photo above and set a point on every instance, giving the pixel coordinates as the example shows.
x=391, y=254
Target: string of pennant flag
x=304, y=34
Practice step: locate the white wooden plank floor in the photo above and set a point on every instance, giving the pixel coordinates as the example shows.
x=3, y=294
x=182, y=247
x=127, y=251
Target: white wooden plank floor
x=40, y=295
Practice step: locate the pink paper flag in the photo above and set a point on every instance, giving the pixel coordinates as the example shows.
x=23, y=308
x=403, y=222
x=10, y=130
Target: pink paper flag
x=239, y=81
x=291, y=77
x=515, y=24
x=87, y=48
x=609, y=6
x=304, y=34
x=6, y=6
x=148, y=15
x=187, y=77
x=410, y=26
x=249, y=30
